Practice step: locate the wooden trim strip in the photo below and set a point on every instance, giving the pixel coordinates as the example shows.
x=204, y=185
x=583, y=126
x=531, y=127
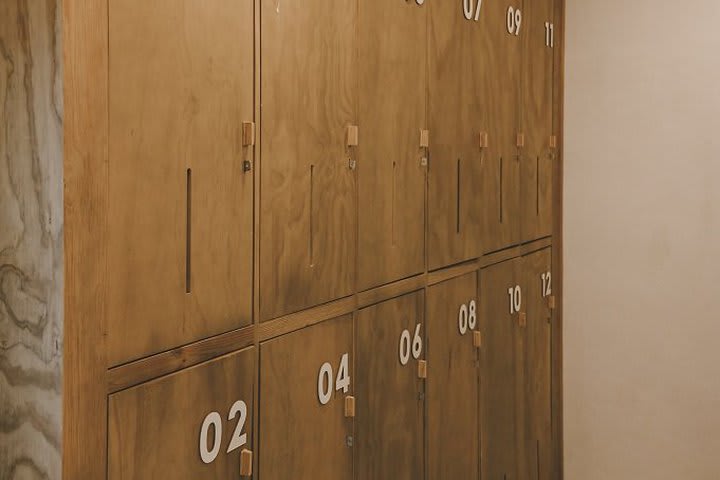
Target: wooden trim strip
x=439, y=276
x=140, y=371
x=392, y=290
x=296, y=321
x=514, y=252
x=85, y=94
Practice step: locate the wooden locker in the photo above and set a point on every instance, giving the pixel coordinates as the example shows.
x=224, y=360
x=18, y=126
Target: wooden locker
x=502, y=387
x=501, y=48
x=389, y=427
x=456, y=111
x=308, y=199
x=301, y=437
x=537, y=273
x=538, y=156
x=392, y=163
x=180, y=202
x=452, y=384
x=182, y=426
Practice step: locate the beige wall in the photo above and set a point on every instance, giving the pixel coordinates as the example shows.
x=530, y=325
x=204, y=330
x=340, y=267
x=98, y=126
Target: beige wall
x=642, y=232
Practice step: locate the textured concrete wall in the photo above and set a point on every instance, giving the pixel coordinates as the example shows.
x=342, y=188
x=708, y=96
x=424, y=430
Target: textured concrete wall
x=31, y=239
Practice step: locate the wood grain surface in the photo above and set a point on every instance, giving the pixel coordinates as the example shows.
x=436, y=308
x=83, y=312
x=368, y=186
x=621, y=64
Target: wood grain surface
x=389, y=426
x=308, y=237
x=392, y=112
x=31, y=239
x=180, y=244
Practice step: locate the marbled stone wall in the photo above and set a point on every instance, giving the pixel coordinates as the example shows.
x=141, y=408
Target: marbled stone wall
x=31, y=239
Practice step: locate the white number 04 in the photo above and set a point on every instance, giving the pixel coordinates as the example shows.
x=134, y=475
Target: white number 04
x=325, y=379
x=208, y=455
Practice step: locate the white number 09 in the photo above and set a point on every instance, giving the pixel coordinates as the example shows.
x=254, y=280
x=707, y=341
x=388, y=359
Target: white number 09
x=514, y=19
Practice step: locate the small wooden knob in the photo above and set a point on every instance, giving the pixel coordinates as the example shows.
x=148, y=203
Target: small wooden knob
x=248, y=134
x=477, y=339
x=422, y=369
x=484, y=142
x=246, y=463
x=551, y=302
x=352, y=136
x=349, y=406
x=522, y=319
x=553, y=141
x=520, y=140
x=424, y=138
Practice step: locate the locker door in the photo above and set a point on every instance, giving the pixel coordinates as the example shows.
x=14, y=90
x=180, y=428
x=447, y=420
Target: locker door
x=308, y=193
x=180, y=241
x=391, y=170
x=501, y=372
x=538, y=430
x=452, y=384
x=390, y=409
x=537, y=157
x=500, y=87
x=189, y=425
x=305, y=434
x=455, y=186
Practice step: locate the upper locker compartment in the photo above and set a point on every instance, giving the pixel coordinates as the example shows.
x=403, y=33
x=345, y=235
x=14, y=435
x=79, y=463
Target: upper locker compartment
x=196, y=423
x=390, y=386
x=392, y=162
x=180, y=178
x=309, y=142
x=503, y=28
x=455, y=186
x=538, y=156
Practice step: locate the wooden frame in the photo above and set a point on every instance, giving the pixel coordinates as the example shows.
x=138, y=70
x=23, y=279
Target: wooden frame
x=87, y=381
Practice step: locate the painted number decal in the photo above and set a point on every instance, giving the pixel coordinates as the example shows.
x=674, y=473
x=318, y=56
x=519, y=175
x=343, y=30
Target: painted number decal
x=546, y=284
x=471, y=9
x=325, y=379
x=407, y=347
x=549, y=35
x=514, y=20
x=515, y=295
x=467, y=317
x=214, y=420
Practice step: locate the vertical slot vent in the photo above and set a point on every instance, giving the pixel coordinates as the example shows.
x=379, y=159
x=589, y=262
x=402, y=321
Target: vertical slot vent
x=502, y=193
x=394, y=194
x=457, y=198
x=537, y=185
x=188, y=230
x=312, y=214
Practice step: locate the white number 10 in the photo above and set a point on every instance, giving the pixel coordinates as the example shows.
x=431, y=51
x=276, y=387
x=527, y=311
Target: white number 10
x=515, y=295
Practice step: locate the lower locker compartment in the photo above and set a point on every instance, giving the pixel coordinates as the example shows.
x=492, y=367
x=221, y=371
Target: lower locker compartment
x=193, y=424
x=305, y=382
x=390, y=339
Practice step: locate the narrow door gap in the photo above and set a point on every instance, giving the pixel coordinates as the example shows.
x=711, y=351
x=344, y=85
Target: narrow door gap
x=457, y=207
x=188, y=229
x=538, y=459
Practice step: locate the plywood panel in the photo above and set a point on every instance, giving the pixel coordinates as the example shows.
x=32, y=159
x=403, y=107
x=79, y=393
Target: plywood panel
x=501, y=376
x=300, y=437
x=456, y=111
x=500, y=90
x=538, y=157
x=390, y=410
x=308, y=188
x=452, y=384
x=538, y=431
x=181, y=206
x=155, y=428
x=392, y=109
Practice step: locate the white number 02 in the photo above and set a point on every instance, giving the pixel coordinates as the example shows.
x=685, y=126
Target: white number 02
x=208, y=455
